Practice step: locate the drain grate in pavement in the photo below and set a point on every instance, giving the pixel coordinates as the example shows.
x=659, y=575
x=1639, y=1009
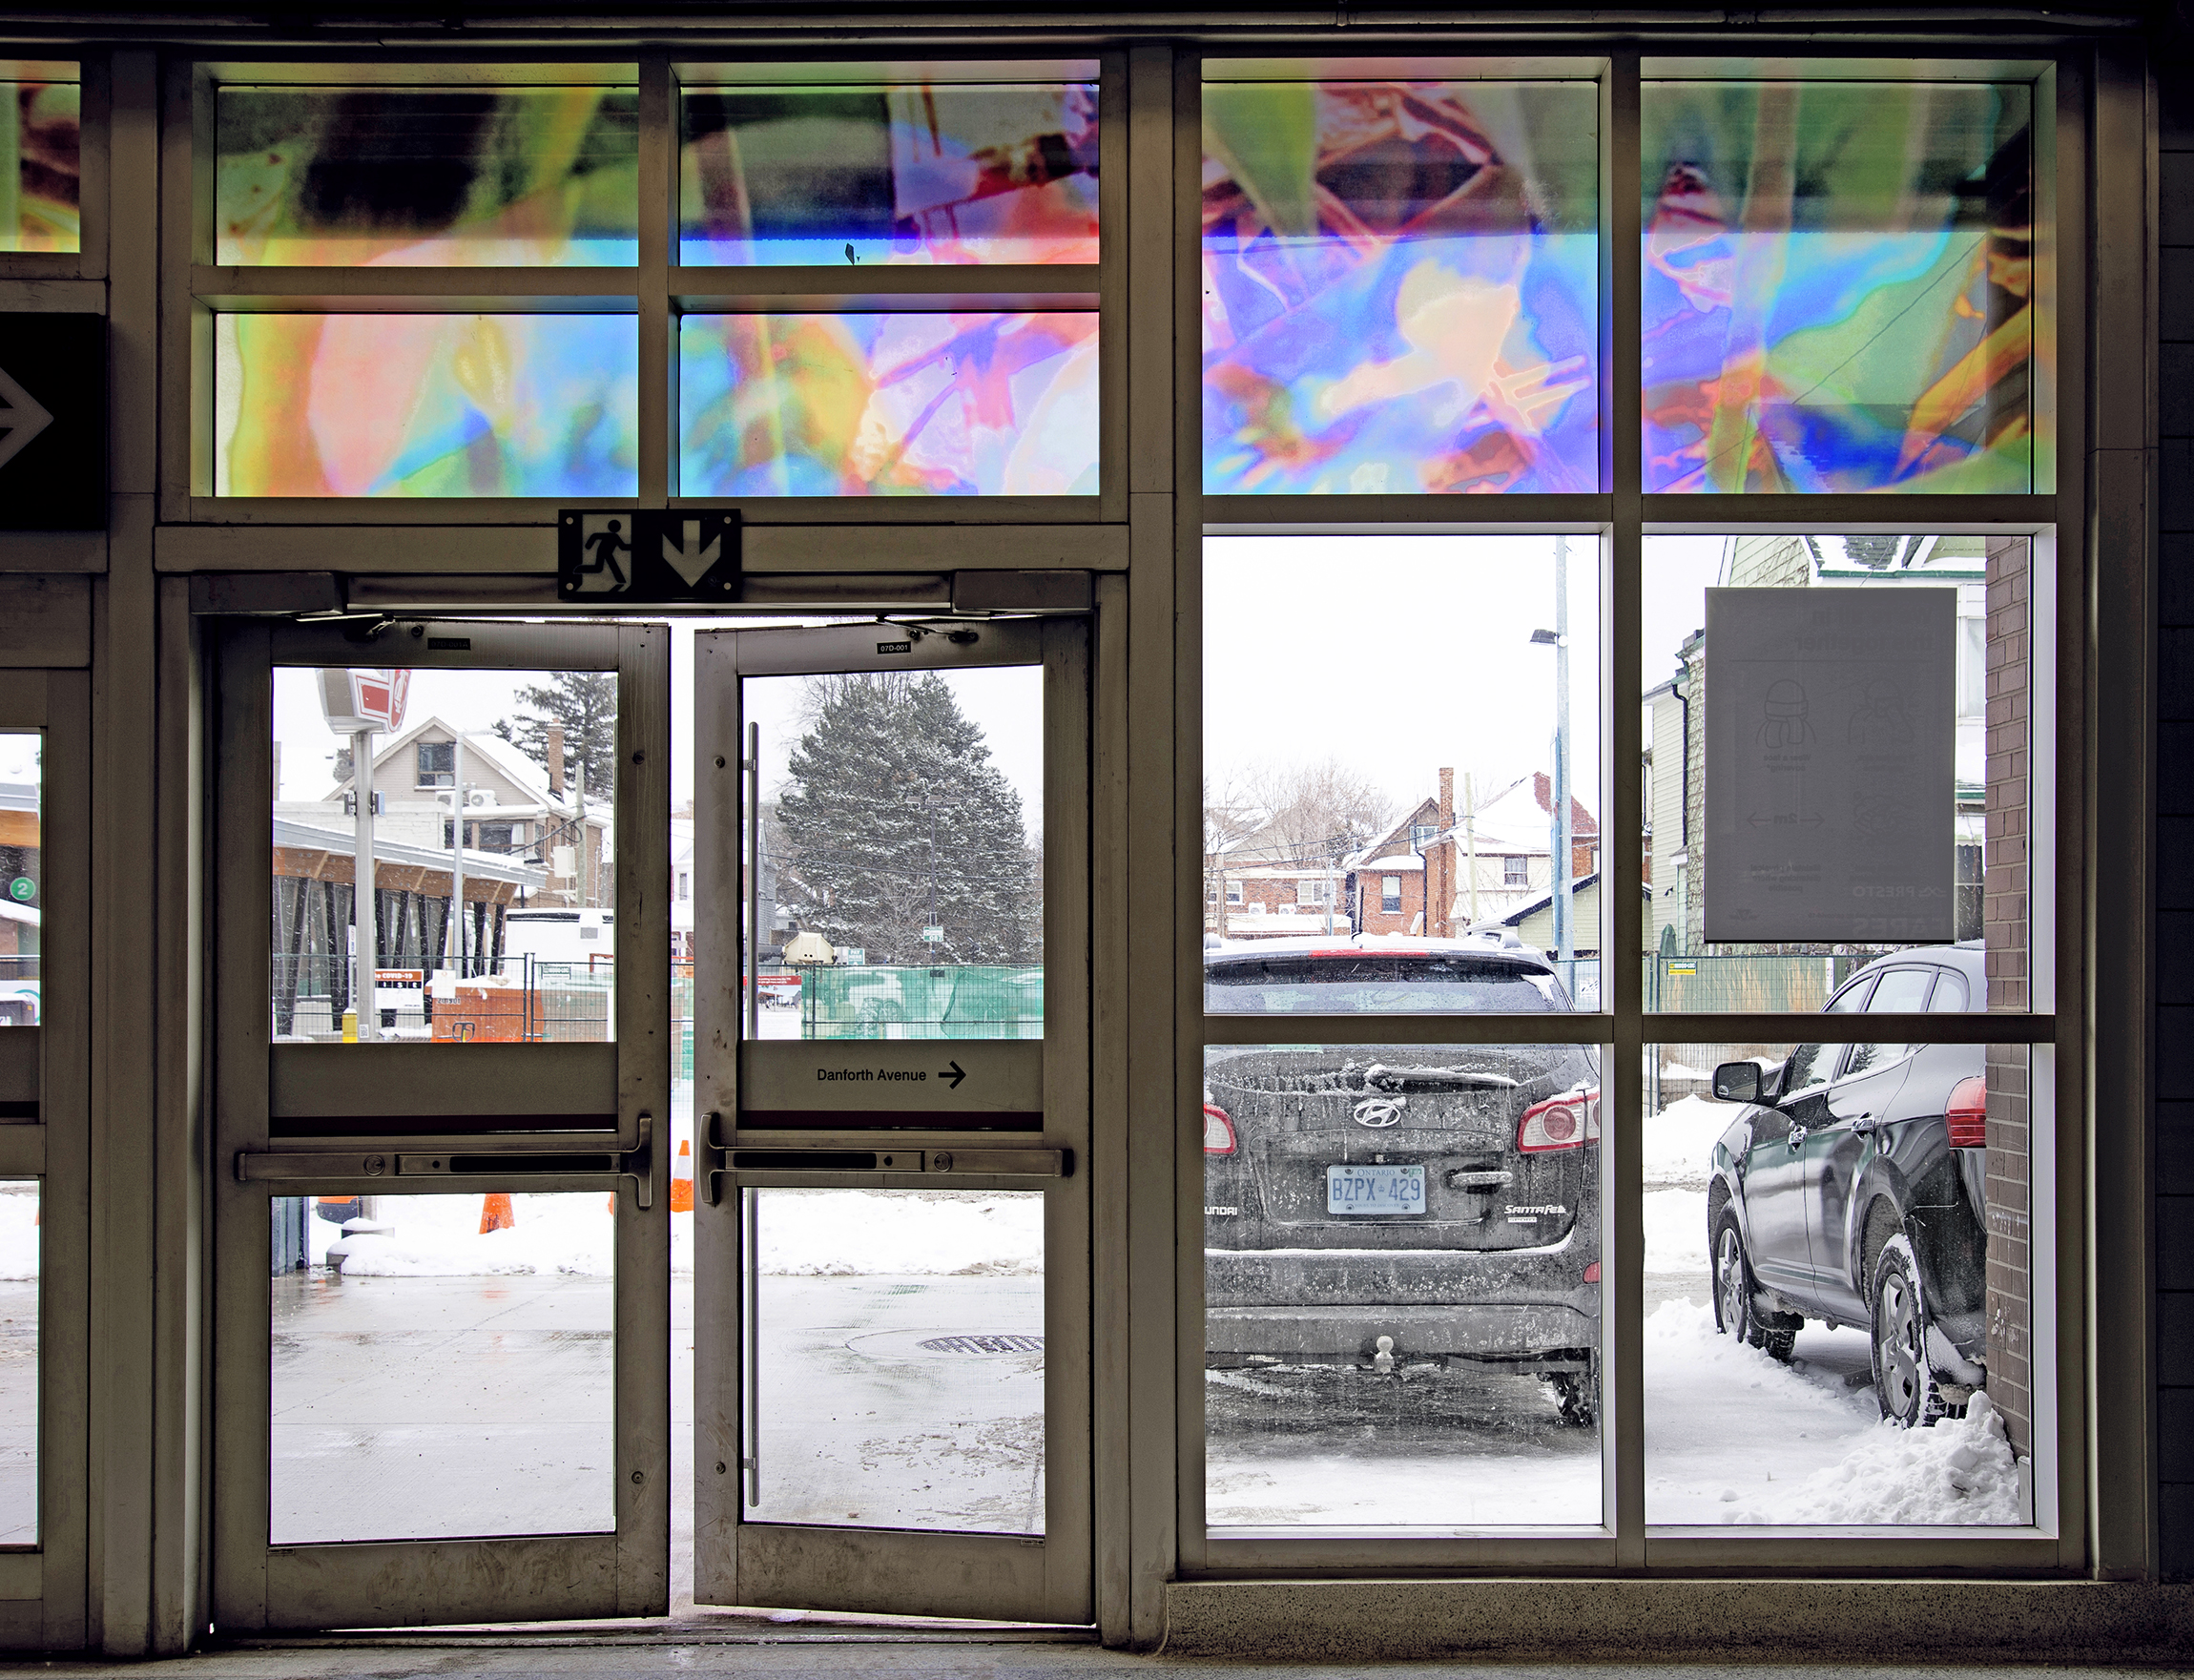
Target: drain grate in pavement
x=983, y=1344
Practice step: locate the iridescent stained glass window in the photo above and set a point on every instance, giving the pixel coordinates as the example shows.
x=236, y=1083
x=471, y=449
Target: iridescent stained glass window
x=1400, y=289
x=476, y=176
x=941, y=404
x=426, y=404
x=40, y=109
x=922, y=173
x=1837, y=286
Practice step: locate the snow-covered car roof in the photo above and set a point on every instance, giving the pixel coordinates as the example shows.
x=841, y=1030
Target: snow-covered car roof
x=1373, y=945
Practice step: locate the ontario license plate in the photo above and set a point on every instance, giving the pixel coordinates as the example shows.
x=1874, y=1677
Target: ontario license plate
x=1374, y=1190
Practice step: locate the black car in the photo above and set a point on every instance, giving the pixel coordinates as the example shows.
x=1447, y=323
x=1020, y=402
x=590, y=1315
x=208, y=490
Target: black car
x=1850, y=1190
x=1376, y=1206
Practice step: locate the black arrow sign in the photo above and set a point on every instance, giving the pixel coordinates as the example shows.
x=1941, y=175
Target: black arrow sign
x=955, y=1073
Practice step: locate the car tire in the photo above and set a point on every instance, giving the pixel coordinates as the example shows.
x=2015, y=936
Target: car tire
x=1734, y=1314
x=1904, y=1381
x=1577, y=1396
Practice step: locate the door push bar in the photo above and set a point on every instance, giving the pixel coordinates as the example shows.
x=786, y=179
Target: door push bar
x=721, y=1159
x=262, y=1167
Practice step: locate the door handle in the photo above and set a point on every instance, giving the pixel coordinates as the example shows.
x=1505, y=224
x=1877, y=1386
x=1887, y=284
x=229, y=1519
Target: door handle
x=991, y=1163
x=1864, y=1125
x=1797, y=1138
x=279, y=1166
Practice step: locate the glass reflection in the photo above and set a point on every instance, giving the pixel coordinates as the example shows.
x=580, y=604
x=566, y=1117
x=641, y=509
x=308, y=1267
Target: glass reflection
x=927, y=173
x=407, y=177
x=937, y=404
x=425, y=405
x=40, y=129
x=22, y=879
x=1838, y=287
x=1400, y=290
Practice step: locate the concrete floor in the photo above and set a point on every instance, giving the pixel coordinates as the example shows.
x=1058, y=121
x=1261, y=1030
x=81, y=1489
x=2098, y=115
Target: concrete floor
x=795, y=1659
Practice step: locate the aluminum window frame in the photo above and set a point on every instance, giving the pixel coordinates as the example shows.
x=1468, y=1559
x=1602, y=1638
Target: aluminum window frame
x=2060, y=1541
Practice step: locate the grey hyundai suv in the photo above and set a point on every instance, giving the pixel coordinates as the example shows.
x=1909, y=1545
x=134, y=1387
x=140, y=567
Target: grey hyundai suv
x=1369, y=1204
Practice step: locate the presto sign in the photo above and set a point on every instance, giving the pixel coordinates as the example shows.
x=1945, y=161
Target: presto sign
x=352, y=700
x=1830, y=777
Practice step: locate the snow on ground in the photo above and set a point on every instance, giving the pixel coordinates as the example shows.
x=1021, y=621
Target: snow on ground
x=1676, y=1232
x=902, y=1234
x=1733, y=1437
x=440, y=1237
x=1680, y=1140
x=18, y=1232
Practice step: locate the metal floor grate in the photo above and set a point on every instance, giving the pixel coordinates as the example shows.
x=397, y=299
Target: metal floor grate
x=983, y=1344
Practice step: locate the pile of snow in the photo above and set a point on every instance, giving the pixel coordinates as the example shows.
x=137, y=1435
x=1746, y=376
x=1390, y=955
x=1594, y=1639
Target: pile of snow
x=1676, y=1232
x=901, y=1233
x=1678, y=1070
x=440, y=1237
x=1679, y=1141
x=18, y=1232
x=1959, y=1473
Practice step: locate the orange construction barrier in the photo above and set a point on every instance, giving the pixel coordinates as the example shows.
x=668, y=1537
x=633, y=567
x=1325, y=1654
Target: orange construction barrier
x=495, y=1213
x=682, y=1180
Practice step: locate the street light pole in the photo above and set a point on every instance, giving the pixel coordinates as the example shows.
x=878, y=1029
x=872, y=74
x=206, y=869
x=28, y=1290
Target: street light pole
x=1565, y=933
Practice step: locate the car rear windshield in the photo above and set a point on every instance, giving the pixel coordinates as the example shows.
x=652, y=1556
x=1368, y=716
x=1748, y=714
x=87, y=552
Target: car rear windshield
x=1378, y=985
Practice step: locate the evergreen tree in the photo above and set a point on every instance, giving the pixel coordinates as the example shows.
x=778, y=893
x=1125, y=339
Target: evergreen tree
x=885, y=758
x=584, y=702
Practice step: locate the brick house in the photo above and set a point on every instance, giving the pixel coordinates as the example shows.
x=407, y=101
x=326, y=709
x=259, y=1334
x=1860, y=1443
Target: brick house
x=1478, y=864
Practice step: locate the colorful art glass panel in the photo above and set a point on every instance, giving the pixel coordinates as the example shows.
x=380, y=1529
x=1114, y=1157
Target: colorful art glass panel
x=426, y=405
x=427, y=176
x=1838, y=287
x=40, y=128
x=1401, y=287
x=931, y=403
x=928, y=173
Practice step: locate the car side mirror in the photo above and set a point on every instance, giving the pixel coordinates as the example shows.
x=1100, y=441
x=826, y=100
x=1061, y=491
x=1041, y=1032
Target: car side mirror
x=1747, y=1082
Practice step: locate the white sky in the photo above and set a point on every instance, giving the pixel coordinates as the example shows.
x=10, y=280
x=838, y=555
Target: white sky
x=1397, y=654
x=1394, y=654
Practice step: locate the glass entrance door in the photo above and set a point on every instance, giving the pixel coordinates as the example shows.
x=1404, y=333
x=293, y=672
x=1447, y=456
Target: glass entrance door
x=891, y=1254
x=441, y=1215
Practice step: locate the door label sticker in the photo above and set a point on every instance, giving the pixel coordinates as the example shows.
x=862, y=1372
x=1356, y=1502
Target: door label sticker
x=1831, y=788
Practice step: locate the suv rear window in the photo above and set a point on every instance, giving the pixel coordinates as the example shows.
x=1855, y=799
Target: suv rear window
x=1378, y=985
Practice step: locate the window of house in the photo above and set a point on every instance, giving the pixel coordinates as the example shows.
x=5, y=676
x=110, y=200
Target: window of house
x=1314, y=891
x=1390, y=893
x=437, y=763
x=494, y=836
x=1515, y=871
x=1233, y=892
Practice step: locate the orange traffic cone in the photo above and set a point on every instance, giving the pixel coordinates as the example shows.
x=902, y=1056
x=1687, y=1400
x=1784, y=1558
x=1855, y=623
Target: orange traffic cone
x=495, y=1213
x=682, y=1180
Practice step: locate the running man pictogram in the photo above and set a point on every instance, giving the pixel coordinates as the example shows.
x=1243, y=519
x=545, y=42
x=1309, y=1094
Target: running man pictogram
x=602, y=548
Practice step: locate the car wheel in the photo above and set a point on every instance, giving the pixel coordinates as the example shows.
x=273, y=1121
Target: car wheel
x=1904, y=1382
x=1734, y=1314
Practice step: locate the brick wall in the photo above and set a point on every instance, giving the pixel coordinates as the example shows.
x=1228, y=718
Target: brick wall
x=2004, y=929
x=2175, y=821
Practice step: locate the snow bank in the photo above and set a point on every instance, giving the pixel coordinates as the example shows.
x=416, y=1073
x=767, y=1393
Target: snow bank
x=1680, y=1140
x=1676, y=1232
x=18, y=1234
x=440, y=1237
x=1959, y=1473
x=925, y=1233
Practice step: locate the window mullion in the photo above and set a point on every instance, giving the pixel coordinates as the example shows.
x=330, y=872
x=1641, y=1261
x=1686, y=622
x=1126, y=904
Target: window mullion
x=1622, y=797
x=658, y=332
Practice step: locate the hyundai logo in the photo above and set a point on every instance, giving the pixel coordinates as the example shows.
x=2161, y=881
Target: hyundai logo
x=1380, y=1110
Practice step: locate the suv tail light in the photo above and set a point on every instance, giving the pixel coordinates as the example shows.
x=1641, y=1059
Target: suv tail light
x=1218, y=1130
x=1568, y=1122
x=1967, y=1113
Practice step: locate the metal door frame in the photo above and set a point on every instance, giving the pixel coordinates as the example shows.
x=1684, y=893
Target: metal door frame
x=899, y=1571
x=46, y=1071
x=623, y=1086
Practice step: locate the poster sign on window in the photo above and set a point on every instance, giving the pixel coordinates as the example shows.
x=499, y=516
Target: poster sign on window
x=1831, y=782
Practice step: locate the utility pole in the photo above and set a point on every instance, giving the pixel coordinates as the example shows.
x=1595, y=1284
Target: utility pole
x=457, y=854
x=364, y=1001
x=1470, y=840
x=1565, y=934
